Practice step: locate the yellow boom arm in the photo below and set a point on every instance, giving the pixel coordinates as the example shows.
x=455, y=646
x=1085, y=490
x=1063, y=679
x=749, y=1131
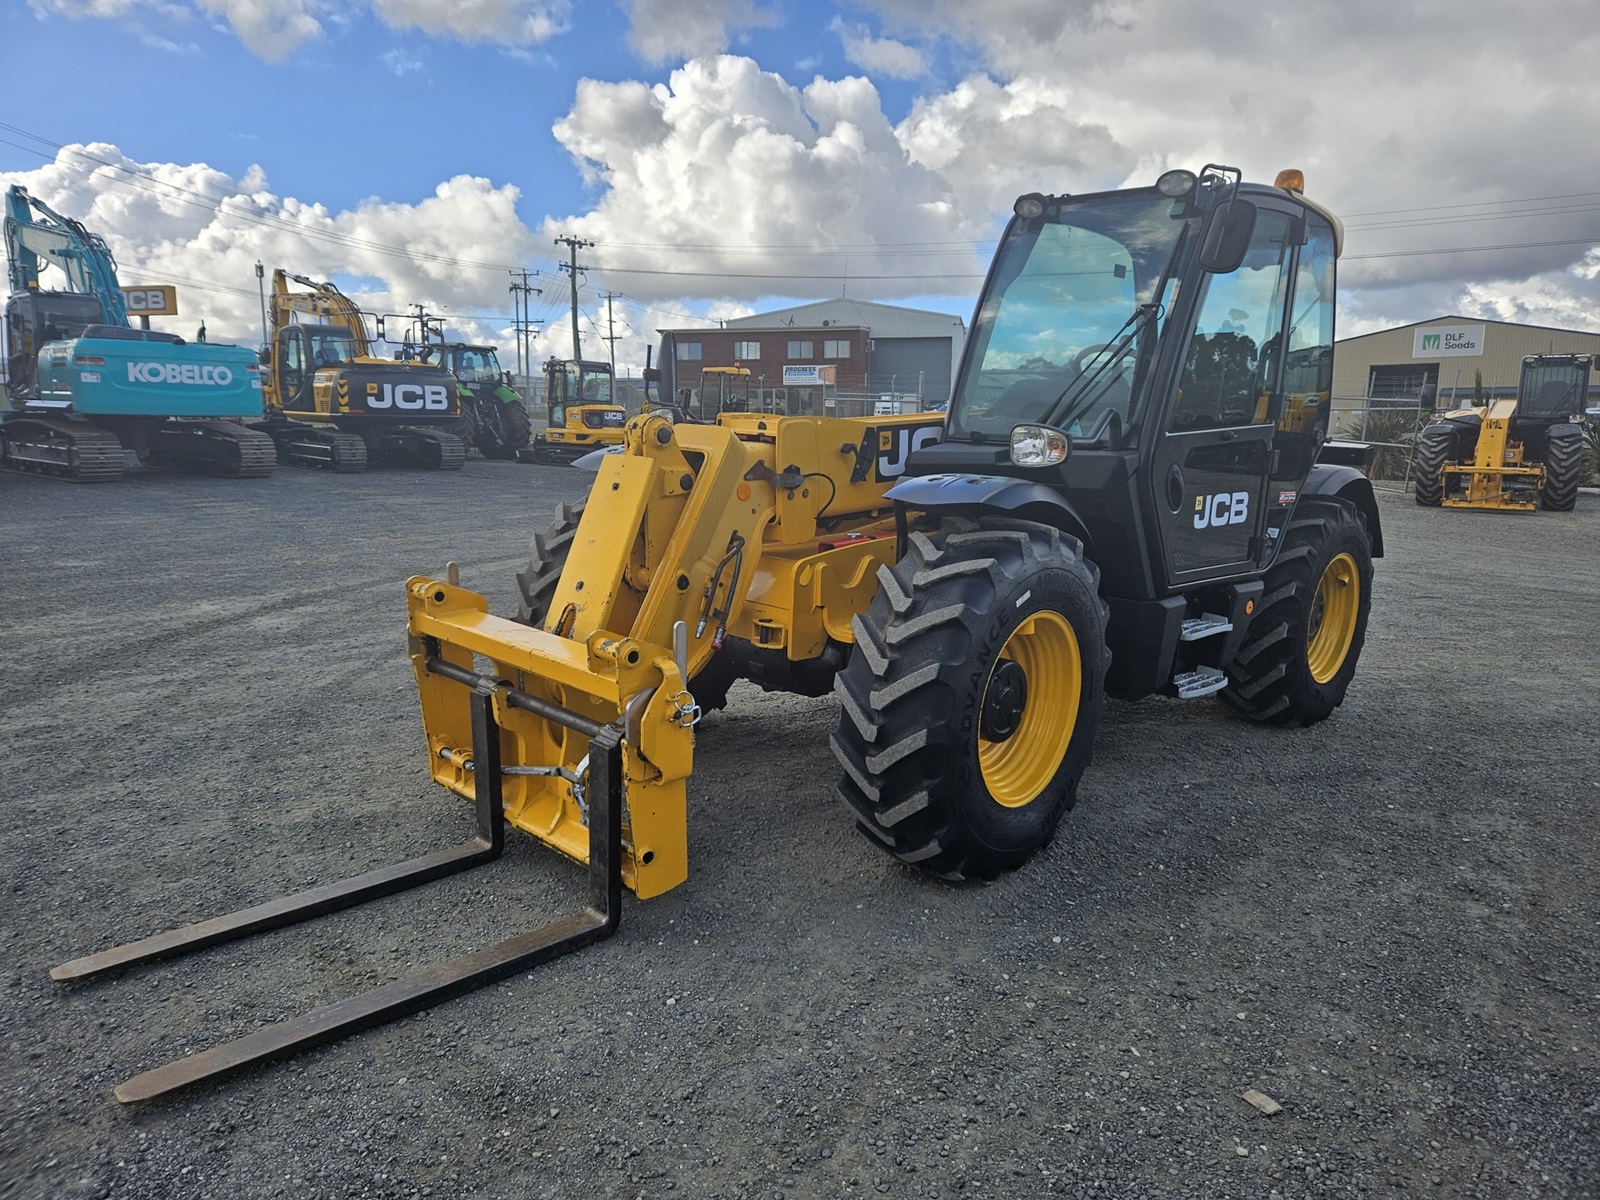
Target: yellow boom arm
x=757, y=527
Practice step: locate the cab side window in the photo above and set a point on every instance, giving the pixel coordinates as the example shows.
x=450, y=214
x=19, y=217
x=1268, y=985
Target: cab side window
x=1235, y=353
x=292, y=368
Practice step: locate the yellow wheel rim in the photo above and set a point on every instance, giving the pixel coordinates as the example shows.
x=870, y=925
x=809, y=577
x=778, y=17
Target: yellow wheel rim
x=1018, y=764
x=1334, y=610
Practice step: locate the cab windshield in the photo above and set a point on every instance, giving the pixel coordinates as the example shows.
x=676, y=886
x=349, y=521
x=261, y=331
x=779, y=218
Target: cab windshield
x=328, y=350
x=478, y=366
x=1071, y=316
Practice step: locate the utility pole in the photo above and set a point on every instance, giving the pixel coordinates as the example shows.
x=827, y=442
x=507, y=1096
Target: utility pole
x=261, y=286
x=520, y=301
x=572, y=268
x=611, y=335
x=423, y=321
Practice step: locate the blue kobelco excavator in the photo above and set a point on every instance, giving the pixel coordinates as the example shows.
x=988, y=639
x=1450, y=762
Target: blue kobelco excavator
x=84, y=385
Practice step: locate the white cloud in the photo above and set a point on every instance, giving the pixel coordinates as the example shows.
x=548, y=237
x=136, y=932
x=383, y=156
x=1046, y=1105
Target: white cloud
x=271, y=29
x=664, y=30
x=204, y=230
x=879, y=56
x=730, y=182
x=510, y=22
x=402, y=62
x=274, y=29
x=1383, y=104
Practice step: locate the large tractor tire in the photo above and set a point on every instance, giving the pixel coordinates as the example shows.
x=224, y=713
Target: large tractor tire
x=972, y=696
x=1433, y=451
x=513, y=429
x=1563, y=465
x=547, y=558
x=1300, y=651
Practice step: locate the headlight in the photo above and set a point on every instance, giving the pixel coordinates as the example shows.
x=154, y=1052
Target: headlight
x=1038, y=446
x=1029, y=207
x=1176, y=183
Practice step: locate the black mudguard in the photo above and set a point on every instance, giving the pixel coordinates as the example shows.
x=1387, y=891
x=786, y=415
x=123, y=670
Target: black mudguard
x=1347, y=483
x=993, y=493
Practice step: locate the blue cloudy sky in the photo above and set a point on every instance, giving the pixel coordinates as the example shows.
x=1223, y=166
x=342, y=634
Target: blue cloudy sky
x=727, y=156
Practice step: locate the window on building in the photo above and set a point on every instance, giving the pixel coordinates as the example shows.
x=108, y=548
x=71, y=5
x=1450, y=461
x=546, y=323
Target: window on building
x=688, y=351
x=801, y=350
x=1393, y=381
x=746, y=351
x=836, y=349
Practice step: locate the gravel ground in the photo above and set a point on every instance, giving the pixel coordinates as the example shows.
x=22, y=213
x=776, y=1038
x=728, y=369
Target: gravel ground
x=1389, y=923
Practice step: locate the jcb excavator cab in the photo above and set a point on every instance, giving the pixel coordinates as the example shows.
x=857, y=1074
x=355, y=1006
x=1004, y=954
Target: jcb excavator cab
x=723, y=389
x=303, y=350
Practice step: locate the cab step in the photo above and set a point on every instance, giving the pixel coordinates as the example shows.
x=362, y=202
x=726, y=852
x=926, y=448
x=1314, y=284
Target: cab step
x=1202, y=681
x=1204, y=626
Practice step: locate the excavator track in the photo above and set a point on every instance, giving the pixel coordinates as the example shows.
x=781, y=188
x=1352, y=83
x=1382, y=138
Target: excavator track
x=62, y=448
x=429, y=447
x=325, y=449
x=213, y=448
x=443, y=451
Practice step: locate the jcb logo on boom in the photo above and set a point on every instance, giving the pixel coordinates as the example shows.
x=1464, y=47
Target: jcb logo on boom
x=1225, y=508
x=412, y=397
x=895, y=446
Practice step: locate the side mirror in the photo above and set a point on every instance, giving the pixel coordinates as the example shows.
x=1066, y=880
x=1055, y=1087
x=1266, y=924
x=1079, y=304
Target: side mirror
x=264, y=355
x=665, y=373
x=1227, y=236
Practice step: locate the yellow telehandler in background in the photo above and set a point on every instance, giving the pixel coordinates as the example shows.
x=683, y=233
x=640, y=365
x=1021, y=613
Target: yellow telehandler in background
x=1124, y=498
x=1517, y=453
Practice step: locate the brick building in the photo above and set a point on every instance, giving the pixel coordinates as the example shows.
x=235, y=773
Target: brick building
x=836, y=357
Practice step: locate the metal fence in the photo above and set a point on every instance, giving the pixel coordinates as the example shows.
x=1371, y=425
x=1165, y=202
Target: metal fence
x=1389, y=424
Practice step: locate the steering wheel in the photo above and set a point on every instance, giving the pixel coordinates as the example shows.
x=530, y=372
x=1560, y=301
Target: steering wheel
x=1086, y=353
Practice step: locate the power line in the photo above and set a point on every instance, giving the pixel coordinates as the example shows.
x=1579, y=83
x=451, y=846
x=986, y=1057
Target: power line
x=1594, y=241
x=1386, y=212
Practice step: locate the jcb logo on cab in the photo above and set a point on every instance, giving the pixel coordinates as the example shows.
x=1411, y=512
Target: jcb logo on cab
x=1224, y=508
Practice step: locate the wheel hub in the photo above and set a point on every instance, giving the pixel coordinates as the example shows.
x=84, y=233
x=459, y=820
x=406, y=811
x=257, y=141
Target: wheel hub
x=1005, y=701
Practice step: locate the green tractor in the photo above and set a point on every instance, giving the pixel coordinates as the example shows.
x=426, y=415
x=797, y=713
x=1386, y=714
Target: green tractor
x=495, y=418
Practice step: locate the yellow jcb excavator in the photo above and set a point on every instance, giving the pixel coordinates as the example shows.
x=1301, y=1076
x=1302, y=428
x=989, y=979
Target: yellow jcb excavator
x=332, y=404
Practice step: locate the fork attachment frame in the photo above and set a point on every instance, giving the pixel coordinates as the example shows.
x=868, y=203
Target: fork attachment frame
x=423, y=990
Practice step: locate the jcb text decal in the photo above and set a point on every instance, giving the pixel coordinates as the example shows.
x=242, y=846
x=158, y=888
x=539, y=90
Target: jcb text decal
x=896, y=445
x=412, y=397
x=1225, y=508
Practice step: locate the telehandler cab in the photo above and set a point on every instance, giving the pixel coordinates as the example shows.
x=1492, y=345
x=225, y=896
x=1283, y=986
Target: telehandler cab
x=1124, y=499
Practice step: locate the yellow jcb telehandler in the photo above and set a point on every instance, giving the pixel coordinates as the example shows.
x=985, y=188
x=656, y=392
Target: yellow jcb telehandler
x=1124, y=498
x=1519, y=452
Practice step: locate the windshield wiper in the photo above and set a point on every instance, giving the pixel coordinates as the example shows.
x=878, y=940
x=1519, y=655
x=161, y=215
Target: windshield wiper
x=1066, y=407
